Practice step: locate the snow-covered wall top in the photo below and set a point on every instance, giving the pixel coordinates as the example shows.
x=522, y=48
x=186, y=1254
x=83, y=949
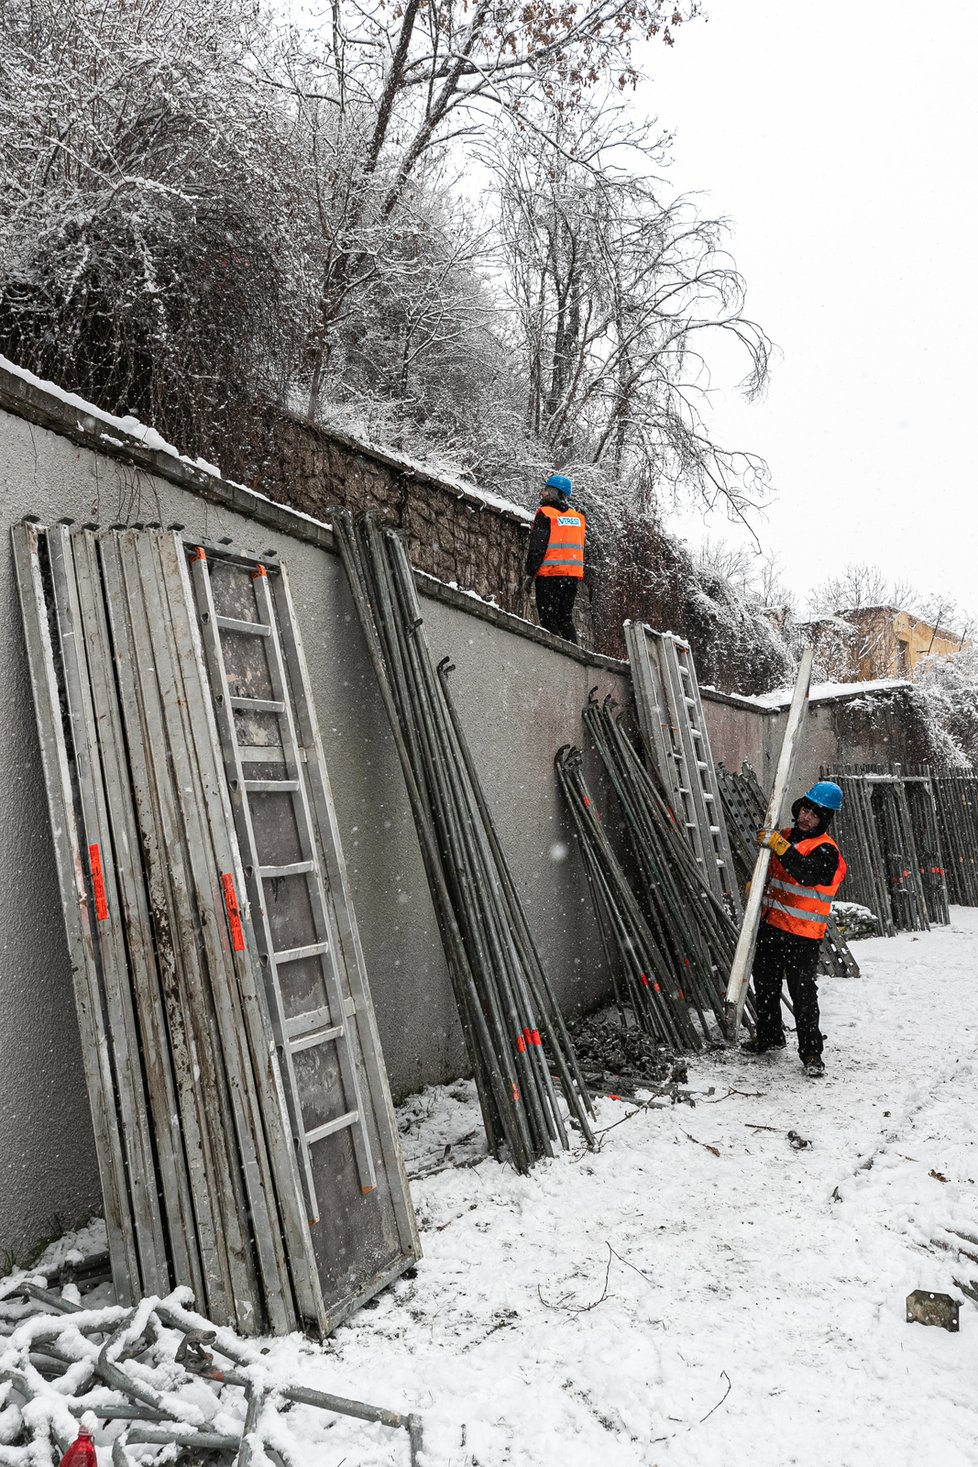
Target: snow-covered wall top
x=131, y=432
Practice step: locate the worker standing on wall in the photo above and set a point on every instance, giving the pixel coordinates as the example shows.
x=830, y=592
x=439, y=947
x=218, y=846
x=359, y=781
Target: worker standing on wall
x=805, y=873
x=555, y=557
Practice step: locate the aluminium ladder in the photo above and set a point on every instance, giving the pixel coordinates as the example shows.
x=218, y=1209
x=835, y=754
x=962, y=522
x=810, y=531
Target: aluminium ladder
x=275, y=811
x=674, y=733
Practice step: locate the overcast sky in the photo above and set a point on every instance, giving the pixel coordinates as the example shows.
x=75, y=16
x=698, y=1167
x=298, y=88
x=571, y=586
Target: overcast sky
x=842, y=144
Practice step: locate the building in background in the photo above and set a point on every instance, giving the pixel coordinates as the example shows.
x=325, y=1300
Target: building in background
x=871, y=642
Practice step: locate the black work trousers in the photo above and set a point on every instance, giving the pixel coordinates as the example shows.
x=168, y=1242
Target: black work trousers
x=782, y=957
x=555, y=604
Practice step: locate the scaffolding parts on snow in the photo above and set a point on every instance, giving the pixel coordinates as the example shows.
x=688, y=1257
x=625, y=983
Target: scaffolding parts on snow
x=888, y=828
x=956, y=795
x=745, y=809
x=668, y=938
x=243, y=1125
x=514, y=1032
x=155, y=1376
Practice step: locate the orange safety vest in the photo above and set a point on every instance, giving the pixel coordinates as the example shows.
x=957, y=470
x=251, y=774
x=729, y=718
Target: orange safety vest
x=800, y=910
x=565, y=548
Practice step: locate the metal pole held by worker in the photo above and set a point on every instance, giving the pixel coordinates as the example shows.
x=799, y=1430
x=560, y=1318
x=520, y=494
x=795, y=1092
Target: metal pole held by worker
x=744, y=954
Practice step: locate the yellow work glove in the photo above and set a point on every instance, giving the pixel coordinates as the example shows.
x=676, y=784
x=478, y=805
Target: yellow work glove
x=774, y=841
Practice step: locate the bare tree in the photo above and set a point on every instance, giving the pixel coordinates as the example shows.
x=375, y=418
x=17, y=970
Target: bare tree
x=860, y=586
x=384, y=89
x=616, y=295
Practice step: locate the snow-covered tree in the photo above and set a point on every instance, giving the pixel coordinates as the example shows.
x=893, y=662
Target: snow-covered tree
x=386, y=90
x=146, y=206
x=946, y=690
x=615, y=295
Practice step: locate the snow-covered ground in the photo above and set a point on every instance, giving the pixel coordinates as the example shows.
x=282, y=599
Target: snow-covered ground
x=697, y=1292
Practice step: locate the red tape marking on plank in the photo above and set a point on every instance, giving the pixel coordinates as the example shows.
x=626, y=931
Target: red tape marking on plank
x=98, y=883
x=234, y=914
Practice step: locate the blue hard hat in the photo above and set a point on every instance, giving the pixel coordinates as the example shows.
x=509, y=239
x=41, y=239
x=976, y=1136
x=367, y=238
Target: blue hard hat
x=561, y=483
x=826, y=794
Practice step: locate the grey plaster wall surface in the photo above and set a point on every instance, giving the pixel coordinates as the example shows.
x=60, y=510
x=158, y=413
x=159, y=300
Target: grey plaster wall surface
x=739, y=732
x=519, y=699
x=519, y=694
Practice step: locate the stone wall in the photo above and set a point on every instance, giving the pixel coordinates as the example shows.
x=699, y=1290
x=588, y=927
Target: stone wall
x=453, y=532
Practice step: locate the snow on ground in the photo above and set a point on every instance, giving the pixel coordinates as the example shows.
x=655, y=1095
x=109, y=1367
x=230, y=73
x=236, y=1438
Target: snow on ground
x=698, y=1292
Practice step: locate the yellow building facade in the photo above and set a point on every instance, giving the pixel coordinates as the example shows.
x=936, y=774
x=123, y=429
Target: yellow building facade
x=890, y=642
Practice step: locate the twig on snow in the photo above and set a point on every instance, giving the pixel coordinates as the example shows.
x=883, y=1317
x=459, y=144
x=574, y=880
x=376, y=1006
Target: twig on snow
x=747, y=1094
x=631, y=1265
x=721, y=1400
x=705, y=1144
x=709, y=1413
x=581, y=1308
x=640, y=1105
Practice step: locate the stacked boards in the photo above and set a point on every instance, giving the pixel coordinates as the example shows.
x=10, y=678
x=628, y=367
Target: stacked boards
x=243, y=1124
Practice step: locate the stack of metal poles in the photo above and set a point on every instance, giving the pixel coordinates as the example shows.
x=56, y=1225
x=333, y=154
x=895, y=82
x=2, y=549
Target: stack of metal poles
x=645, y=984
x=893, y=844
x=513, y=1030
x=922, y=809
x=893, y=820
x=867, y=880
x=956, y=796
x=697, y=934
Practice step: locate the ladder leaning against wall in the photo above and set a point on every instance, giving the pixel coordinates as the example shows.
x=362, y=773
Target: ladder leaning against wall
x=673, y=727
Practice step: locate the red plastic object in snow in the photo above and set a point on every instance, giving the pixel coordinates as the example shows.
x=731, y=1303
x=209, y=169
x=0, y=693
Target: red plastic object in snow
x=81, y=1453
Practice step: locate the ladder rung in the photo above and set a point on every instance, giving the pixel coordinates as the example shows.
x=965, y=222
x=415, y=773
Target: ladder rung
x=291, y=868
x=249, y=628
x=340, y=1124
x=271, y=786
x=304, y=1023
x=314, y=1037
x=293, y=954
x=261, y=754
x=257, y=705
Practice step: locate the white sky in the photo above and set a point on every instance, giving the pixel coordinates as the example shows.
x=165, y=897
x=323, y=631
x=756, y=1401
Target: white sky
x=841, y=144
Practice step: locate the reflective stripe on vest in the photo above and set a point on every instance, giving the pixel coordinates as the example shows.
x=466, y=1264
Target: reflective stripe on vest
x=801, y=910
x=565, y=548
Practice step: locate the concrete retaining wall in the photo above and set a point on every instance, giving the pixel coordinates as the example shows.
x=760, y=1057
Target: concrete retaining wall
x=519, y=695
x=519, y=692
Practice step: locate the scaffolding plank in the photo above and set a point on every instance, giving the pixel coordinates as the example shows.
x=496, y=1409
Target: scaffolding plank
x=78, y=903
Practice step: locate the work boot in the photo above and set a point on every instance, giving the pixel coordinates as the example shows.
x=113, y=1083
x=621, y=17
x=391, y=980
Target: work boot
x=760, y=1046
x=813, y=1065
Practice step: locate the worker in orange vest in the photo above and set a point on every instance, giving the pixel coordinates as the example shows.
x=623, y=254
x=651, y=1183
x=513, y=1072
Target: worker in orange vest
x=555, y=557
x=806, y=871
